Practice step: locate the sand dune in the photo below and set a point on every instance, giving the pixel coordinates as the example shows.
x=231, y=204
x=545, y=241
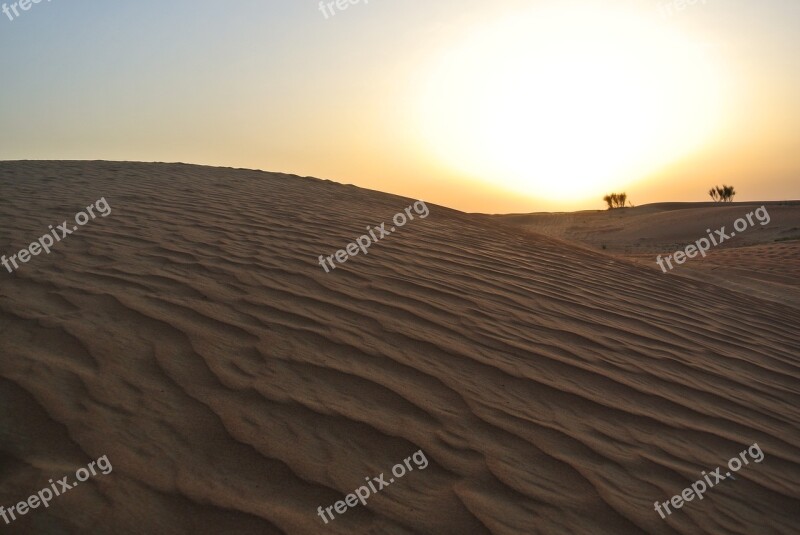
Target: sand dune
x=192, y=337
x=763, y=261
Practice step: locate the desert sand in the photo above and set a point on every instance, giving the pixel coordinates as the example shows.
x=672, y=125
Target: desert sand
x=555, y=387
x=764, y=260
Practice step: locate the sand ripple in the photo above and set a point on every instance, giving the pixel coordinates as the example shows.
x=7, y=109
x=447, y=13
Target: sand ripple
x=193, y=338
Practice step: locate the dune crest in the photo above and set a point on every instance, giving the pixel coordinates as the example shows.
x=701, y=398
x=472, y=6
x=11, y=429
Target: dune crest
x=192, y=337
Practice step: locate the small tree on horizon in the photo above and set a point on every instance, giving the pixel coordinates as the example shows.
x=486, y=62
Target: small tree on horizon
x=722, y=194
x=728, y=193
x=616, y=200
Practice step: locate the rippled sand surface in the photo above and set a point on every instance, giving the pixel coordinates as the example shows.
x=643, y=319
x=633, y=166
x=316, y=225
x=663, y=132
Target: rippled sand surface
x=193, y=338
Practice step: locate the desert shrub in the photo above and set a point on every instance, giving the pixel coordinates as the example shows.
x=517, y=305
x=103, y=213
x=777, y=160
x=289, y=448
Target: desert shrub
x=722, y=194
x=616, y=200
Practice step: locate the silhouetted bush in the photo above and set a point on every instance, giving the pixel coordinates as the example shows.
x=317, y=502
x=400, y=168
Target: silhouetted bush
x=722, y=194
x=616, y=200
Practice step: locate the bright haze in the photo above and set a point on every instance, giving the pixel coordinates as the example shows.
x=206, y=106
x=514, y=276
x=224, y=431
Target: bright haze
x=501, y=106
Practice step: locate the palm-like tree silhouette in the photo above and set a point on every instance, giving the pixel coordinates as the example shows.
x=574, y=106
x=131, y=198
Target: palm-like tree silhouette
x=616, y=200
x=722, y=194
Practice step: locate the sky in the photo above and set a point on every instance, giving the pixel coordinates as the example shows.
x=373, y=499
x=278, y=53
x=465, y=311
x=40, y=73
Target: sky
x=485, y=106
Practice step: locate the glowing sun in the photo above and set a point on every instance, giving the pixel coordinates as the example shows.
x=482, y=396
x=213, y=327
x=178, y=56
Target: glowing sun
x=567, y=103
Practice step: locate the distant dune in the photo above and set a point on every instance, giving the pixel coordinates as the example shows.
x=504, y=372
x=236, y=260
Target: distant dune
x=764, y=260
x=193, y=338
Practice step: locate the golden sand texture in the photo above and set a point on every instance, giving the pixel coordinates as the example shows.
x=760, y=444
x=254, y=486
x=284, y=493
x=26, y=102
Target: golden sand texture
x=762, y=261
x=193, y=338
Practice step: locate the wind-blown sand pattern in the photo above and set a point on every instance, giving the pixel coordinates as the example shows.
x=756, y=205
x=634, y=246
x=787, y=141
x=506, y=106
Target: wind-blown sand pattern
x=193, y=338
x=764, y=260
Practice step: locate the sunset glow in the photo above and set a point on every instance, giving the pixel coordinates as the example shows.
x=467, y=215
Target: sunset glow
x=502, y=106
x=552, y=105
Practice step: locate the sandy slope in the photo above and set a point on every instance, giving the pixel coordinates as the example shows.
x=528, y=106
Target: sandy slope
x=762, y=261
x=192, y=337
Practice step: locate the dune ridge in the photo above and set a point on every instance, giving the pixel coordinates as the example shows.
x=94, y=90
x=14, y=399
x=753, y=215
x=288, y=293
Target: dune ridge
x=762, y=261
x=193, y=338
